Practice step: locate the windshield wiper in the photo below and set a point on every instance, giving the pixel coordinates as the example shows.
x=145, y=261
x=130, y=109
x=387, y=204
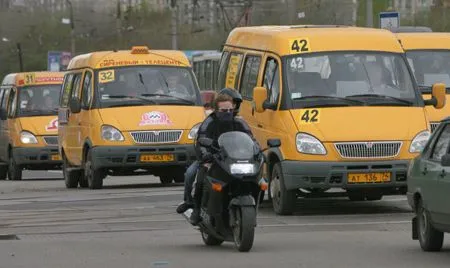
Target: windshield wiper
x=132, y=97
x=166, y=95
x=329, y=97
x=425, y=89
x=37, y=112
x=382, y=97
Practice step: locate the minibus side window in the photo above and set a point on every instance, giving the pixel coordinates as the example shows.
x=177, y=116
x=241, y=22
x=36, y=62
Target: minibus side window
x=271, y=79
x=222, y=70
x=5, y=99
x=2, y=97
x=250, y=76
x=233, y=71
x=76, y=86
x=86, y=95
x=66, y=91
x=12, y=103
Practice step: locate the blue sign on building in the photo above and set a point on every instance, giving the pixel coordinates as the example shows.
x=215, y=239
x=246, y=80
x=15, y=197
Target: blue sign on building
x=58, y=61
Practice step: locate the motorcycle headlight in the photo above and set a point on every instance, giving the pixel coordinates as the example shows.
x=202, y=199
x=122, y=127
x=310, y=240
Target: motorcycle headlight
x=419, y=142
x=110, y=133
x=308, y=144
x=28, y=138
x=193, y=133
x=242, y=169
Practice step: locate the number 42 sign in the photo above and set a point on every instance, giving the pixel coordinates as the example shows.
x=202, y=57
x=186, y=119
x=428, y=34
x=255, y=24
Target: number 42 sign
x=299, y=45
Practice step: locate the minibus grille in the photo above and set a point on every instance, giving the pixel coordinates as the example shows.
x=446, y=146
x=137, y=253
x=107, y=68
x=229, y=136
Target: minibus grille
x=368, y=149
x=163, y=136
x=434, y=126
x=51, y=140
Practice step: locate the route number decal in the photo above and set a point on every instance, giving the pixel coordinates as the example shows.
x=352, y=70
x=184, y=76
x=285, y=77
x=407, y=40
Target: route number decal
x=299, y=45
x=310, y=116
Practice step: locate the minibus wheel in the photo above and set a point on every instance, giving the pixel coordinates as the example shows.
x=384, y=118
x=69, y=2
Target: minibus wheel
x=93, y=176
x=14, y=170
x=283, y=200
x=166, y=179
x=356, y=195
x=3, y=172
x=70, y=177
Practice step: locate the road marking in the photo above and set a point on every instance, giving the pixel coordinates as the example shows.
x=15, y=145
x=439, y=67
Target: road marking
x=166, y=229
x=93, y=222
x=334, y=223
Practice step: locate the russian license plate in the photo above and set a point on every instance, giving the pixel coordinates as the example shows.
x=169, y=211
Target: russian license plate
x=56, y=157
x=157, y=158
x=369, y=177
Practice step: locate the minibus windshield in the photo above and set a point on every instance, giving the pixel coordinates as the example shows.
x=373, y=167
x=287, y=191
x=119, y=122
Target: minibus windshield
x=146, y=85
x=38, y=100
x=429, y=67
x=349, y=79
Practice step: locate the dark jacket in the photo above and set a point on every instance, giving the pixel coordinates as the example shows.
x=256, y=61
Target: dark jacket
x=210, y=128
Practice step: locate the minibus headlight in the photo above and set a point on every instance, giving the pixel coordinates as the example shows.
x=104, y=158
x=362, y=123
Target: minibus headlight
x=419, y=142
x=193, y=133
x=308, y=144
x=110, y=133
x=27, y=138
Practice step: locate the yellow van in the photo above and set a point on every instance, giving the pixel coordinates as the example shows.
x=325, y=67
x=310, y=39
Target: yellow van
x=128, y=112
x=342, y=100
x=29, y=123
x=428, y=55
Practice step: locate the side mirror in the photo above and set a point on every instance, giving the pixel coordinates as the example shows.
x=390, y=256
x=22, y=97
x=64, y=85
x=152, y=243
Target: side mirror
x=207, y=142
x=438, y=98
x=75, y=105
x=445, y=160
x=272, y=143
x=259, y=97
x=3, y=114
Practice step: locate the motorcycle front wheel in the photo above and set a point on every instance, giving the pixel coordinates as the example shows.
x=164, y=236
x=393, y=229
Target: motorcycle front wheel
x=244, y=228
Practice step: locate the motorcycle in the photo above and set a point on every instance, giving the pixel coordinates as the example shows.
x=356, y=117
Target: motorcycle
x=232, y=190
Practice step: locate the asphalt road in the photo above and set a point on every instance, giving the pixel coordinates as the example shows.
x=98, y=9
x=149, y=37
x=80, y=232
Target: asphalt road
x=132, y=223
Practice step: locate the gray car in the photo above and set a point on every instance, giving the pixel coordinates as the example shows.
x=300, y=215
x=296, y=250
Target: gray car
x=429, y=190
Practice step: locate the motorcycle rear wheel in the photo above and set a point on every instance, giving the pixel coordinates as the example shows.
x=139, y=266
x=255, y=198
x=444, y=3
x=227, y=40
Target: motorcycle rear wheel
x=244, y=229
x=210, y=240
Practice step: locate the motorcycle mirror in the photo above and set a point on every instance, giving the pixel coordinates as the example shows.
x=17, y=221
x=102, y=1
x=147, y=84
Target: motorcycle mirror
x=207, y=142
x=274, y=143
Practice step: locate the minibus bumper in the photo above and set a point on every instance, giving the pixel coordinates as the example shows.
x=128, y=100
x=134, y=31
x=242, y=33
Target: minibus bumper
x=299, y=174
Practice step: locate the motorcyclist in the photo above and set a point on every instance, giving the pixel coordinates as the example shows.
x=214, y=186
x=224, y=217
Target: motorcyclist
x=222, y=120
x=189, y=176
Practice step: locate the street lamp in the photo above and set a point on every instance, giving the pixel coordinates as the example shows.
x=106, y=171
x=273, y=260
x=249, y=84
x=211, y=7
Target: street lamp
x=19, y=52
x=72, y=27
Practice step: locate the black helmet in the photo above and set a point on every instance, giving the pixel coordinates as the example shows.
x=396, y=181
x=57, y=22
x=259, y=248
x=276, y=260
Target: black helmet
x=237, y=98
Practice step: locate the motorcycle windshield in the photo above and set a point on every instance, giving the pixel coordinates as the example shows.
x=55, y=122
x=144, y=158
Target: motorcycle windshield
x=237, y=145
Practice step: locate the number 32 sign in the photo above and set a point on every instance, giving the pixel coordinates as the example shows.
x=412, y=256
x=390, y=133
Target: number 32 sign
x=299, y=45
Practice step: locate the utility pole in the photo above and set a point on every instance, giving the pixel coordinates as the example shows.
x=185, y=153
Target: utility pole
x=72, y=28
x=354, y=12
x=369, y=13
x=119, y=24
x=173, y=4
x=19, y=53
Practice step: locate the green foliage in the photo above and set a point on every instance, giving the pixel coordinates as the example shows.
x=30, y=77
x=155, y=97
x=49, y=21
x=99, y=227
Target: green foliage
x=44, y=32
x=378, y=6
